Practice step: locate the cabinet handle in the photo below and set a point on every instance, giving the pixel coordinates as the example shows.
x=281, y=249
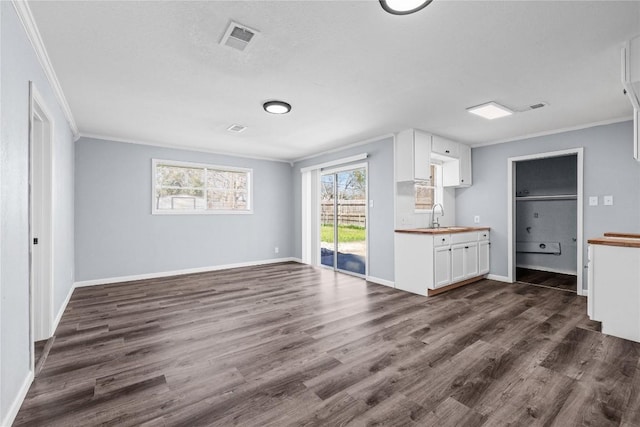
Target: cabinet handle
x=449, y=249
x=446, y=151
x=463, y=180
x=466, y=247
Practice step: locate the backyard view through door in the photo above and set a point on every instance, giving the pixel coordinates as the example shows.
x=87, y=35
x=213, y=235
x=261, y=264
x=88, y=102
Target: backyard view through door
x=343, y=220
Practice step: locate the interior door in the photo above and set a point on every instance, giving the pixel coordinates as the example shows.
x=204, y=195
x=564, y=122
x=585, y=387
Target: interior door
x=343, y=204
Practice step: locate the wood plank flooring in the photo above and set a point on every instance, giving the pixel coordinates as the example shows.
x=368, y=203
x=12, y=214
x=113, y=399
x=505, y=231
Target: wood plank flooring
x=566, y=282
x=287, y=344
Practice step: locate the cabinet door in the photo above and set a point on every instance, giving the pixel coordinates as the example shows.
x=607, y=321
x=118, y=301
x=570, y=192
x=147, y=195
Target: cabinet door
x=470, y=260
x=465, y=166
x=444, y=146
x=442, y=266
x=451, y=173
x=422, y=155
x=404, y=156
x=457, y=262
x=483, y=257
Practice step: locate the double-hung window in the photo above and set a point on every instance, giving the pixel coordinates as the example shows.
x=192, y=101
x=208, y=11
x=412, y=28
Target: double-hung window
x=188, y=188
x=428, y=193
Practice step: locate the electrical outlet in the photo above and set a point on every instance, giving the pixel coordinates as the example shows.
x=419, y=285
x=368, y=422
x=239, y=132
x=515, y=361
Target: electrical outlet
x=536, y=215
x=476, y=219
x=593, y=200
x=276, y=250
x=608, y=200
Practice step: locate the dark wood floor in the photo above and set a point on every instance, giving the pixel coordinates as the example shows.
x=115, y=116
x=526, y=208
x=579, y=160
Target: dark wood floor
x=288, y=344
x=566, y=282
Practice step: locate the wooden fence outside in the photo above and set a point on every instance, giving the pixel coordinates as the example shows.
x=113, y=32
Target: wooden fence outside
x=350, y=212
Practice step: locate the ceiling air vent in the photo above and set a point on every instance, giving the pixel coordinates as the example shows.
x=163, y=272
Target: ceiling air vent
x=238, y=36
x=236, y=128
x=538, y=105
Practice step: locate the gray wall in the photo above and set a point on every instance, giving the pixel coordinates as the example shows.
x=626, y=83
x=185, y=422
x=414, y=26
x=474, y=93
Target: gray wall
x=381, y=182
x=547, y=220
x=19, y=64
x=116, y=235
x=609, y=169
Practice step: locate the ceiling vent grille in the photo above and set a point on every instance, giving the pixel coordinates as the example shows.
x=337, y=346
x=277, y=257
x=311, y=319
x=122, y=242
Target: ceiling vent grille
x=238, y=36
x=538, y=105
x=236, y=128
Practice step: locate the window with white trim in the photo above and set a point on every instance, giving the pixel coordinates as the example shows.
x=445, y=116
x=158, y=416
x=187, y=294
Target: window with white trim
x=184, y=187
x=428, y=193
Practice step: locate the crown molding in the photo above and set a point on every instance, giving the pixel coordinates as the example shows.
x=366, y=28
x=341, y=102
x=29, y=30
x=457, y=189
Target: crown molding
x=554, y=131
x=33, y=34
x=176, y=147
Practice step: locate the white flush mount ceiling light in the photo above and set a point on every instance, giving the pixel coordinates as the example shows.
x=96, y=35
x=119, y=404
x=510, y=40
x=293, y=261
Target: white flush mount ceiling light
x=276, y=107
x=490, y=110
x=403, y=7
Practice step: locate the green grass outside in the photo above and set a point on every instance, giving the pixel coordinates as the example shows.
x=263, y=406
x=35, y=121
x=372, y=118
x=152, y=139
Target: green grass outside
x=346, y=233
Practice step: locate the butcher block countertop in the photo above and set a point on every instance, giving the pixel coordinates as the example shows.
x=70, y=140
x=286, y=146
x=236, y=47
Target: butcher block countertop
x=628, y=240
x=442, y=230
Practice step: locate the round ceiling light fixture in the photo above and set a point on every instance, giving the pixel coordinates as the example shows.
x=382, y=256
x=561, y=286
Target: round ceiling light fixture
x=276, y=107
x=404, y=7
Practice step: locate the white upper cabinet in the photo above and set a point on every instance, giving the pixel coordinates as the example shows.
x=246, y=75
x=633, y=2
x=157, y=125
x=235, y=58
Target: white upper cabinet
x=455, y=159
x=465, y=165
x=446, y=147
x=413, y=155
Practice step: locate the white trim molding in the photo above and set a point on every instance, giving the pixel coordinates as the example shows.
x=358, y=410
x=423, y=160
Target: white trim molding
x=511, y=209
x=380, y=281
x=554, y=131
x=343, y=161
x=110, y=280
x=499, y=278
x=17, y=402
x=63, y=307
x=33, y=34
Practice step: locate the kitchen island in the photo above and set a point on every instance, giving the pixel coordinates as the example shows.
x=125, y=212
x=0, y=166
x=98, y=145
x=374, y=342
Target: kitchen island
x=429, y=261
x=614, y=284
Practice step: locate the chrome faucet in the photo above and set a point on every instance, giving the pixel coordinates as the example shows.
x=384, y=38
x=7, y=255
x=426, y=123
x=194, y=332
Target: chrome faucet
x=434, y=221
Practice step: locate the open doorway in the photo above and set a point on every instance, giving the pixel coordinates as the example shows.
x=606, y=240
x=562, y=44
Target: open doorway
x=40, y=225
x=343, y=219
x=545, y=231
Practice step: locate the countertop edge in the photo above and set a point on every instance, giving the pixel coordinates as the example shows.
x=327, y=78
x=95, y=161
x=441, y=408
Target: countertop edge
x=616, y=241
x=440, y=231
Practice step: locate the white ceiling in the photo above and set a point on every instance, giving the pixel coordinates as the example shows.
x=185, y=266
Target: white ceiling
x=154, y=71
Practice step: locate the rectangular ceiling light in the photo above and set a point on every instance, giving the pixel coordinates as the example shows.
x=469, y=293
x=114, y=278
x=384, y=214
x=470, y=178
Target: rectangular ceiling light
x=490, y=110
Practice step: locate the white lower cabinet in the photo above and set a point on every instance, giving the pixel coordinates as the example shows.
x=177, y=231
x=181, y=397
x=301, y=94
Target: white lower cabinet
x=430, y=261
x=441, y=266
x=483, y=257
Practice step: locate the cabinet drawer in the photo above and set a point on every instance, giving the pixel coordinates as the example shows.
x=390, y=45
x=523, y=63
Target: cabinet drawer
x=483, y=235
x=441, y=240
x=464, y=237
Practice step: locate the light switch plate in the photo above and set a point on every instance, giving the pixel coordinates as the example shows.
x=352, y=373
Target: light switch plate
x=608, y=200
x=371, y=203
x=593, y=201
x=476, y=219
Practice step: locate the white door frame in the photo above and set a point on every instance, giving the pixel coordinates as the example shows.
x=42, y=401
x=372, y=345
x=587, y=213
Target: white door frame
x=41, y=130
x=511, y=221
x=345, y=168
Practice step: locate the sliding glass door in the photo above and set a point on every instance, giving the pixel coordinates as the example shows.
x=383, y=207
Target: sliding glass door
x=343, y=220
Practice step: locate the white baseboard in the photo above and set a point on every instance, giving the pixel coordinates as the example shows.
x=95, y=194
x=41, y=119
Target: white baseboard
x=547, y=269
x=499, y=278
x=17, y=402
x=110, y=280
x=380, y=281
x=63, y=307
